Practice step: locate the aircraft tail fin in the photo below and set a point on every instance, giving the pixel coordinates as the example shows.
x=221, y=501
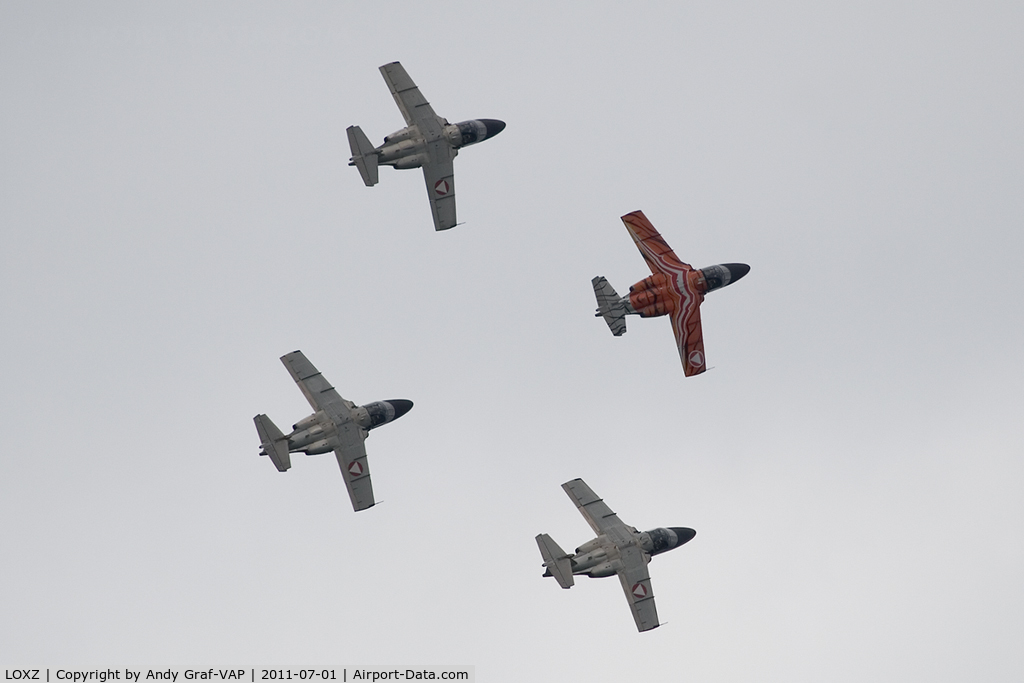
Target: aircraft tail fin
x=609, y=306
x=364, y=155
x=556, y=560
x=273, y=442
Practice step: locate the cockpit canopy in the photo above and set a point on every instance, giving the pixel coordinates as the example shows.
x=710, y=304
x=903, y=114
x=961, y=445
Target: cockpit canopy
x=379, y=412
x=663, y=539
x=724, y=274
x=382, y=412
x=477, y=130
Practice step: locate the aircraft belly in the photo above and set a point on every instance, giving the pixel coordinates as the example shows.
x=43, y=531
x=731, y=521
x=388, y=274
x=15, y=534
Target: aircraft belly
x=390, y=154
x=583, y=563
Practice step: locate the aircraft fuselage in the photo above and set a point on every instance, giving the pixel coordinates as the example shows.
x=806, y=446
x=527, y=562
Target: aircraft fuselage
x=316, y=433
x=599, y=557
x=651, y=297
x=407, y=148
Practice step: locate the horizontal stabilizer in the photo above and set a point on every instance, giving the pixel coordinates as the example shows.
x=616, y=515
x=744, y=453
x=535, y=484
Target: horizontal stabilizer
x=610, y=306
x=364, y=155
x=556, y=560
x=273, y=442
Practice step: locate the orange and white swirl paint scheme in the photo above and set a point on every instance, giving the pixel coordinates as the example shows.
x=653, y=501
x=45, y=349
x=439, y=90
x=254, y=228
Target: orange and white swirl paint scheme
x=675, y=289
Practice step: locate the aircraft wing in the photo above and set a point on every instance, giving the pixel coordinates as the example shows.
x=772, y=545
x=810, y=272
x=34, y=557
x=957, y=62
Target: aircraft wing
x=686, y=316
x=351, y=455
x=636, y=584
x=597, y=513
x=317, y=390
x=439, y=173
x=689, y=335
x=351, y=451
x=415, y=108
x=652, y=245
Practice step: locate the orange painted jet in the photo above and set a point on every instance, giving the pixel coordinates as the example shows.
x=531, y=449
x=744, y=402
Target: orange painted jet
x=674, y=289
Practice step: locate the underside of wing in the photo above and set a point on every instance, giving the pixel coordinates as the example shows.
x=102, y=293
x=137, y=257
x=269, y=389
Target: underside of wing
x=597, y=513
x=315, y=387
x=351, y=455
x=414, y=107
x=636, y=584
x=689, y=336
x=653, y=247
x=439, y=174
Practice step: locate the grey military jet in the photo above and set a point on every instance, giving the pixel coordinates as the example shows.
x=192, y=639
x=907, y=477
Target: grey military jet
x=618, y=549
x=428, y=142
x=337, y=425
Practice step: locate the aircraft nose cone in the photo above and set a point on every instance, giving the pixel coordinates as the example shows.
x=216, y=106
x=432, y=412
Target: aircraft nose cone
x=736, y=271
x=494, y=126
x=401, y=406
x=684, y=534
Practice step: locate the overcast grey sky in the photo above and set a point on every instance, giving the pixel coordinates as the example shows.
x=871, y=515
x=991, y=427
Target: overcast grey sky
x=176, y=213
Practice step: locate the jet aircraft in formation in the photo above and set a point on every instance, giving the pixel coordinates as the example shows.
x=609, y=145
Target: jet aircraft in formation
x=427, y=141
x=336, y=425
x=674, y=289
x=618, y=549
